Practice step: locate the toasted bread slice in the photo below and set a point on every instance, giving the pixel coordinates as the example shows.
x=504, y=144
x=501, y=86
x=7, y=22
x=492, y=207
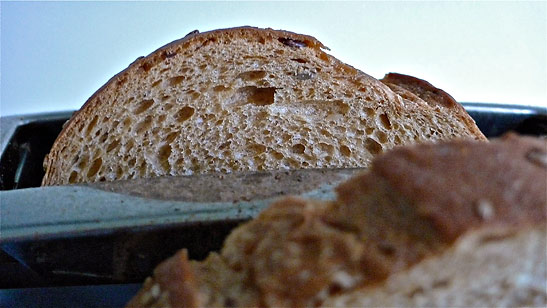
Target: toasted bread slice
x=241, y=99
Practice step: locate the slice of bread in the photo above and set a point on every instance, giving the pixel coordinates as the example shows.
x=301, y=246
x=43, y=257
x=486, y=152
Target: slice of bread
x=242, y=99
x=460, y=223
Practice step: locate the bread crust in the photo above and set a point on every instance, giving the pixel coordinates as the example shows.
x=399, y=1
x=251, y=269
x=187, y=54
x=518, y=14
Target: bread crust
x=467, y=167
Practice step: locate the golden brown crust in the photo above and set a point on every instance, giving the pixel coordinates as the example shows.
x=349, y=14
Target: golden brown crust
x=462, y=185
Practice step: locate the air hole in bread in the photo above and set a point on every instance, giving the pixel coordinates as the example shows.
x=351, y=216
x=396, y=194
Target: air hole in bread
x=163, y=157
x=114, y=124
x=112, y=145
x=187, y=70
x=293, y=163
x=341, y=106
x=168, y=106
x=220, y=88
x=142, y=169
x=144, y=105
x=83, y=162
x=382, y=136
x=132, y=162
x=73, y=177
x=370, y=112
x=171, y=137
x=129, y=145
x=252, y=75
x=193, y=94
x=184, y=114
x=253, y=95
x=95, y=166
x=91, y=125
x=299, y=60
x=119, y=172
x=292, y=42
x=286, y=137
x=156, y=83
x=345, y=150
x=369, y=130
x=326, y=147
x=179, y=162
x=104, y=137
x=196, y=167
x=384, y=121
x=326, y=133
x=174, y=81
x=224, y=145
x=210, y=117
x=257, y=148
x=298, y=148
x=373, y=146
x=278, y=155
x=144, y=125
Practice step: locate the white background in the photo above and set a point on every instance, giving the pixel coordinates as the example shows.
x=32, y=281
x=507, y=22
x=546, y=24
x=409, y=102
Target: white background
x=54, y=55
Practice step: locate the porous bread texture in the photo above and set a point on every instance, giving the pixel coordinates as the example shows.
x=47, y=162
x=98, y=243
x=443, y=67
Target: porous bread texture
x=393, y=229
x=481, y=270
x=241, y=99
